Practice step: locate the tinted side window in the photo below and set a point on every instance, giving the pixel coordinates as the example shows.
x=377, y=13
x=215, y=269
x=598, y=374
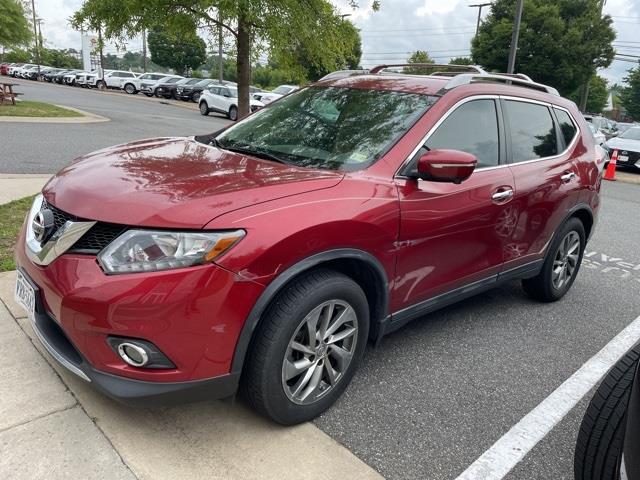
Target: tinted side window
x=567, y=127
x=533, y=134
x=472, y=128
x=126, y=75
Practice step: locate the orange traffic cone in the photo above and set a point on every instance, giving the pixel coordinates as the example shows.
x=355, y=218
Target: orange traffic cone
x=610, y=174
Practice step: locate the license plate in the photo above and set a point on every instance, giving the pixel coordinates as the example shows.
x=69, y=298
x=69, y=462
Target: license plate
x=623, y=158
x=25, y=295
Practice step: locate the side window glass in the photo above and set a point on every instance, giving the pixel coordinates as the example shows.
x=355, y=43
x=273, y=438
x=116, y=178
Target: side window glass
x=471, y=128
x=533, y=134
x=567, y=127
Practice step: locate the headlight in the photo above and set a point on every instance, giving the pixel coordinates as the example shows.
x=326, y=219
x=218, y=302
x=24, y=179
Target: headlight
x=150, y=250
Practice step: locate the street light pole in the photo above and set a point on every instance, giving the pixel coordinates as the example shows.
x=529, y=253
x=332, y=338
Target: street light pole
x=514, y=37
x=479, y=7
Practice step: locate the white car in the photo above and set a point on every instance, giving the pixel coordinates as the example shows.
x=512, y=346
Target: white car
x=71, y=77
x=223, y=99
x=268, y=97
x=18, y=72
x=597, y=134
x=143, y=82
x=115, y=79
x=628, y=146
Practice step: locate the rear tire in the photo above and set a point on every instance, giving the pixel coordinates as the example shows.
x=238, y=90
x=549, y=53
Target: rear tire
x=204, y=108
x=130, y=88
x=101, y=85
x=289, y=384
x=549, y=285
x=600, y=440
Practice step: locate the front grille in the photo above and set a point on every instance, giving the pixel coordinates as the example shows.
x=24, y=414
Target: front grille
x=98, y=236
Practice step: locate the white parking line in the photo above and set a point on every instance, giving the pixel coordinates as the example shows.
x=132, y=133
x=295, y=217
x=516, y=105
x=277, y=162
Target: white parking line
x=512, y=447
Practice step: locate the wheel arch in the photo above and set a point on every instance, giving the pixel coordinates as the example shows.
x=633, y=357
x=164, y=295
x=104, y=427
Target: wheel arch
x=361, y=266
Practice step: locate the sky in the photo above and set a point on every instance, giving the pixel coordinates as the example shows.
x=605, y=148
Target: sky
x=443, y=28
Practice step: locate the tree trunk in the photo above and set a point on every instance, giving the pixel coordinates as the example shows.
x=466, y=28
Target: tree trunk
x=243, y=67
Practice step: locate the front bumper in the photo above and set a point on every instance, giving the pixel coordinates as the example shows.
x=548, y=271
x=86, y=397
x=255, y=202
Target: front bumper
x=193, y=315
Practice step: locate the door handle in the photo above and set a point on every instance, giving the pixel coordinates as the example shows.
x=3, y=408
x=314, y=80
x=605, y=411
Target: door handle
x=567, y=177
x=502, y=195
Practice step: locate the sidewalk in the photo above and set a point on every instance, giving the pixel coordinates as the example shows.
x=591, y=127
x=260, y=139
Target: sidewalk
x=54, y=426
x=14, y=186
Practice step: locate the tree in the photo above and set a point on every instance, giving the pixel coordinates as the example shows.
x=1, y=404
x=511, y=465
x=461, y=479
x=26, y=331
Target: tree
x=461, y=61
x=562, y=43
x=14, y=27
x=630, y=95
x=59, y=58
x=18, y=55
x=273, y=25
x=182, y=52
x=419, y=56
x=598, y=94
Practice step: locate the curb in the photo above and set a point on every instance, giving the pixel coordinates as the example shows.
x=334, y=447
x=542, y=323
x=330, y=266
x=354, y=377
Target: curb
x=86, y=118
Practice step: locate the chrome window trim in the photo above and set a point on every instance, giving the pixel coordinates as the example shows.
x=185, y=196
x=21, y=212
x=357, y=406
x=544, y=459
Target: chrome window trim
x=461, y=102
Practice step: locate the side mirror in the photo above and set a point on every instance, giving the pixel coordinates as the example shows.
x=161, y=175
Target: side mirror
x=446, y=166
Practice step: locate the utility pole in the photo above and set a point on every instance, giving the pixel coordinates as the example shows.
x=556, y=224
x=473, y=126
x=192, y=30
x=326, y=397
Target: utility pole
x=144, y=51
x=479, y=7
x=584, y=90
x=514, y=37
x=40, y=21
x=35, y=35
x=220, y=63
x=100, y=47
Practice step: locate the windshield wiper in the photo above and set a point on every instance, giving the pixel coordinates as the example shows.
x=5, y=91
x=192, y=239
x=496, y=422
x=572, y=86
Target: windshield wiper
x=255, y=152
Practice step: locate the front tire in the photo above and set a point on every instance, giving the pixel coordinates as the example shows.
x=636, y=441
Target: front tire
x=130, y=88
x=204, y=108
x=307, y=347
x=233, y=114
x=195, y=97
x=561, y=264
x=600, y=439
x=101, y=85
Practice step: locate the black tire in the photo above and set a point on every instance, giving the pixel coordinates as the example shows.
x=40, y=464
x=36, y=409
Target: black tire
x=148, y=94
x=233, y=114
x=600, y=439
x=541, y=287
x=262, y=382
x=156, y=92
x=100, y=85
x=195, y=97
x=130, y=88
x=204, y=108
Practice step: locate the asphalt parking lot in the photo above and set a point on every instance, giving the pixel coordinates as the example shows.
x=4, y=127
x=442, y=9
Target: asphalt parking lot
x=435, y=395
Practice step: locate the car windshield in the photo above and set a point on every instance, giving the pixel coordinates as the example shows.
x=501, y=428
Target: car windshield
x=204, y=83
x=282, y=90
x=631, y=134
x=172, y=80
x=328, y=127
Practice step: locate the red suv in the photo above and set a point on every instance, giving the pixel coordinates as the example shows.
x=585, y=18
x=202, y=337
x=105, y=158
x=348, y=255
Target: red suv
x=265, y=257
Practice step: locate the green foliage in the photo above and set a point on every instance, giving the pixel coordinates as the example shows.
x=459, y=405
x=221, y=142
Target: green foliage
x=461, y=61
x=14, y=27
x=630, y=95
x=419, y=56
x=182, y=52
x=197, y=74
x=598, y=94
x=17, y=55
x=269, y=77
x=562, y=42
x=59, y=58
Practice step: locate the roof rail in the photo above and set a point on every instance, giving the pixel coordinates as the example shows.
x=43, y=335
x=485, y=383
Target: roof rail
x=343, y=74
x=454, y=68
x=518, y=79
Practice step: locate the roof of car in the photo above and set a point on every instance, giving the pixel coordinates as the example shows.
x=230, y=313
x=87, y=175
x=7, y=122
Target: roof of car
x=400, y=83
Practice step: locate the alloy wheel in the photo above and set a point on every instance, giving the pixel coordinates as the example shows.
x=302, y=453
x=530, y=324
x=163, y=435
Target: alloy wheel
x=319, y=352
x=565, y=262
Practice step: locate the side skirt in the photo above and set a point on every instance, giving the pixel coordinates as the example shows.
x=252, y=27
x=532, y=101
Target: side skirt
x=401, y=318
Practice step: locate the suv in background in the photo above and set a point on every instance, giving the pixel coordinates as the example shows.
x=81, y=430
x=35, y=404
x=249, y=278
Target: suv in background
x=266, y=256
x=223, y=99
x=193, y=92
x=276, y=93
x=165, y=85
x=135, y=85
x=115, y=79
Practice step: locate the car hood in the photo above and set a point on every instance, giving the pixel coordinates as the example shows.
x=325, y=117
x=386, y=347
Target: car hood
x=624, y=144
x=174, y=182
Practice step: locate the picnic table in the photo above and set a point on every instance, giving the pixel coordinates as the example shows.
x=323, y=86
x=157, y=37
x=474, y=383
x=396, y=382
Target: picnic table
x=7, y=93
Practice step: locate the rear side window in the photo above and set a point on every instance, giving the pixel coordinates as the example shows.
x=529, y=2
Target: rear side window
x=567, y=127
x=471, y=128
x=533, y=134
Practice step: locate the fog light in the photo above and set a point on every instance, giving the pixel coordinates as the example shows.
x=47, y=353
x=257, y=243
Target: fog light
x=139, y=353
x=133, y=354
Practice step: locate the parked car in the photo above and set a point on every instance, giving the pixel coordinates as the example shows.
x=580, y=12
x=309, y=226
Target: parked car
x=608, y=444
x=170, y=90
x=268, y=97
x=4, y=68
x=59, y=78
x=70, y=78
x=267, y=255
x=13, y=68
x=628, y=146
x=164, y=85
x=115, y=79
x=18, y=72
x=51, y=73
x=624, y=126
x=223, y=99
x=606, y=126
x=193, y=92
x=134, y=85
x=598, y=136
